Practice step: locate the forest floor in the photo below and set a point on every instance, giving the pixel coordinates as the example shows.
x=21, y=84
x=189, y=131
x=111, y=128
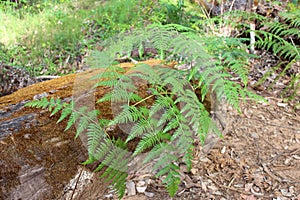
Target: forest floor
x=258, y=158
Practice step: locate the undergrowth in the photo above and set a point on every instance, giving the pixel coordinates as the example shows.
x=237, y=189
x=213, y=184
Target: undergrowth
x=282, y=38
x=54, y=37
x=166, y=121
x=279, y=36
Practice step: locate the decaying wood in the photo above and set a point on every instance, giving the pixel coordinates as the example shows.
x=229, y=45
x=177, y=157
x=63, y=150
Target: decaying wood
x=38, y=158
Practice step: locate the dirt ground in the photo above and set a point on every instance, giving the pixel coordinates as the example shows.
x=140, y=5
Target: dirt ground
x=259, y=158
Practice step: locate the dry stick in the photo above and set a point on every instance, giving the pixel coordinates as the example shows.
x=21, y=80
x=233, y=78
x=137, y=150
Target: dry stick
x=224, y=186
x=212, y=7
x=222, y=7
x=266, y=169
x=232, y=180
x=246, y=98
x=148, y=97
x=252, y=30
x=294, y=46
x=286, y=127
x=293, y=151
x=46, y=77
x=76, y=184
x=271, y=113
x=258, y=150
x=252, y=37
x=234, y=189
x=231, y=6
x=266, y=141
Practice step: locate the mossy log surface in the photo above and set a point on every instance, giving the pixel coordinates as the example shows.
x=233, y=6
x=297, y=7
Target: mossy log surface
x=38, y=158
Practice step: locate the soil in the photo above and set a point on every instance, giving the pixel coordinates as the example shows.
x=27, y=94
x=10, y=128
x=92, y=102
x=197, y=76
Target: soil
x=259, y=158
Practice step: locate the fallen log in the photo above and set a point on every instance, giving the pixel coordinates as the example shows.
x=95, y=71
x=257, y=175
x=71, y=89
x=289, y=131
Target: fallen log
x=39, y=158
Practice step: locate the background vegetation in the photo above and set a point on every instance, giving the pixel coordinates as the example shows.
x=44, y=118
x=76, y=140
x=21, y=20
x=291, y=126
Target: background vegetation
x=53, y=37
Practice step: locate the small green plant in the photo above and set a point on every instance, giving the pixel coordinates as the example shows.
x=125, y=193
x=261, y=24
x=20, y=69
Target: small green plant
x=178, y=12
x=280, y=36
x=170, y=115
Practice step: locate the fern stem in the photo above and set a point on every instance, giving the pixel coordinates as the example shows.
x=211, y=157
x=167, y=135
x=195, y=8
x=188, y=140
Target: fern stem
x=148, y=97
x=295, y=47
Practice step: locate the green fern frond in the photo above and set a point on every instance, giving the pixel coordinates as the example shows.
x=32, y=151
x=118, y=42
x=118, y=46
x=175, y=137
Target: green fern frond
x=232, y=92
x=161, y=39
x=86, y=119
x=177, y=84
x=164, y=162
x=59, y=106
x=172, y=180
x=277, y=44
x=98, y=142
x=188, y=157
x=167, y=127
x=279, y=36
x=121, y=85
x=39, y=103
x=191, y=48
x=173, y=124
x=171, y=171
x=107, y=83
x=139, y=129
x=116, y=160
x=166, y=105
x=292, y=17
x=105, y=98
x=128, y=114
x=193, y=109
x=145, y=72
x=160, y=103
x=150, y=140
x=157, y=151
x=67, y=110
x=112, y=72
x=169, y=114
x=107, y=59
x=184, y=143
x=181, y=130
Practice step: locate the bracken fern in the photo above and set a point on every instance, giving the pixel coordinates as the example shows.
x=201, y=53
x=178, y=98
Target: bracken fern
x=171, y=116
